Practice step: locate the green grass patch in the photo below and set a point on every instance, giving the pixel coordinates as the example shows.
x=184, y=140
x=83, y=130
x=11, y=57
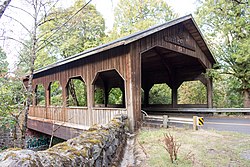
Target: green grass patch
x=198, y=148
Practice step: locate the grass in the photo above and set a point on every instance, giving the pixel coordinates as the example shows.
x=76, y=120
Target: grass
x=198, y=148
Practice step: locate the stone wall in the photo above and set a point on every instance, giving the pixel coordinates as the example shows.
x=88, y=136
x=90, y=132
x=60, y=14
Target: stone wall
x=99, y=146
x=8, y=138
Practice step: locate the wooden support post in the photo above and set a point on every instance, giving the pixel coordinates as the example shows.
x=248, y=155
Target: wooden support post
x=123, y=98
x=165, y=121
x=64, y=96
x=34, y=97
x=90, y=101
x=195, y=127
x=209, y=93
x=106, y=96
x=174, y=97
x=47, y=100
x=67, y=96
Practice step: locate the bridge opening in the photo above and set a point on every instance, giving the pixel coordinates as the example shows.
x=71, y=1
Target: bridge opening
x=192, y=92
x=76, y=92
x=164, y=76
x=39, y=95
x=160, y=94
x=115, y=96
x=56, y=98
x=109, y=90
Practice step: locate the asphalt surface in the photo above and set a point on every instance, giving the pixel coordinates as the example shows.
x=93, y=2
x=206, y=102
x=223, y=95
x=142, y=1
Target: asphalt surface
x=221, y=123
x=241, y=125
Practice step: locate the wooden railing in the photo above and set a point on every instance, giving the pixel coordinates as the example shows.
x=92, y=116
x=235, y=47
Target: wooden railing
x=37, y=111
x=104, y=115
x=76, y=115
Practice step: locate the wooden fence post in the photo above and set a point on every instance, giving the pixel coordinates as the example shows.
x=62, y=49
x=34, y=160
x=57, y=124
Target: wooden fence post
x=165, y=121
x=195, y=127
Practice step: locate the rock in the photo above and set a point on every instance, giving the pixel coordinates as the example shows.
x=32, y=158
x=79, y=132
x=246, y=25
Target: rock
x=95, y=147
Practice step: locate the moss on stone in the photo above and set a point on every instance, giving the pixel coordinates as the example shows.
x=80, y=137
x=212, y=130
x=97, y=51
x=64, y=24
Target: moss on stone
x=13, y=149
x=11, y=154
x=94, y=141
x=116, y=122
x=84, y=147
x=26, y=159
x=84, y=152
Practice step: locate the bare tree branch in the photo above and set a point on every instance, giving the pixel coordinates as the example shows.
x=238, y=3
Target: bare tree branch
x=239, y=2
x=22, y=10
x=19, y=23
x=3, y=7
x=11, y=38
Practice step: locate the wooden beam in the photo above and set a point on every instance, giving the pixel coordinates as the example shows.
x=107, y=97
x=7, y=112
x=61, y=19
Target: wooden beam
x=47, y=97
x=202, y=79
x=63, y=131
x=146, y=94
x=174, y=97
x=209, y=93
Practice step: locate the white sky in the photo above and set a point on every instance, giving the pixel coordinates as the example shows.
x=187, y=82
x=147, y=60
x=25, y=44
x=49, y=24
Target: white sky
x=106, y=8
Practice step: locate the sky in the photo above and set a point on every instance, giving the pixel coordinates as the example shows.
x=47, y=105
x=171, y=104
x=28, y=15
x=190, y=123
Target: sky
x=105, y=7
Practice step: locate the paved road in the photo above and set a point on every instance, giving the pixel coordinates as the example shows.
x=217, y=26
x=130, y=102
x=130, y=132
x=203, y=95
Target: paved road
x=241, y=125
x=228, y=124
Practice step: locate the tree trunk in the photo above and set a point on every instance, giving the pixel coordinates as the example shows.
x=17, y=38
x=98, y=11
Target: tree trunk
x=246, y=98
x=73, y=92
x=3, y=7
x=26, y=110
x=33, y=55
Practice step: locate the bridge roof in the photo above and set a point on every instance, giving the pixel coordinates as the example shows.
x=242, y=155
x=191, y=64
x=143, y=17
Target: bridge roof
x=188, y=20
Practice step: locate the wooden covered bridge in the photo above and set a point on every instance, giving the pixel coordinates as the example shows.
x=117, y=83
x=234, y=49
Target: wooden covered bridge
x=170, y=53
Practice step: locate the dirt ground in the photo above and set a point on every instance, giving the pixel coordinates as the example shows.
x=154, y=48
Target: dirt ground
x=202, y=148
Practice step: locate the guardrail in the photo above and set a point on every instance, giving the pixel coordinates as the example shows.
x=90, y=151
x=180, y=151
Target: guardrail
x=165, y=120
x=201, y=110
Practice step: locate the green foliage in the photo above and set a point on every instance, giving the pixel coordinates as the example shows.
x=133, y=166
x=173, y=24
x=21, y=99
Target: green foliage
x=160, y=94
x=99, y=96
x=85, y=30
x=12, y=97
x=40, y=95
x=142, y=96
x=192, y=92
x=24, y=62
x=115, y=96
x=43, y=59
x=3, y=62
x=56, y=94
x=135, y=15
x=227, y=94
x=81, y=93
x=226, y=24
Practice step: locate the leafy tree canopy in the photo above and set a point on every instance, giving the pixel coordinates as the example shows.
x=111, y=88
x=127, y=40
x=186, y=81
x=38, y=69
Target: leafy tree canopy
x=226, y=22
x=3, y=62
x=76, y=32
x=135, y=15
x=11, y=94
